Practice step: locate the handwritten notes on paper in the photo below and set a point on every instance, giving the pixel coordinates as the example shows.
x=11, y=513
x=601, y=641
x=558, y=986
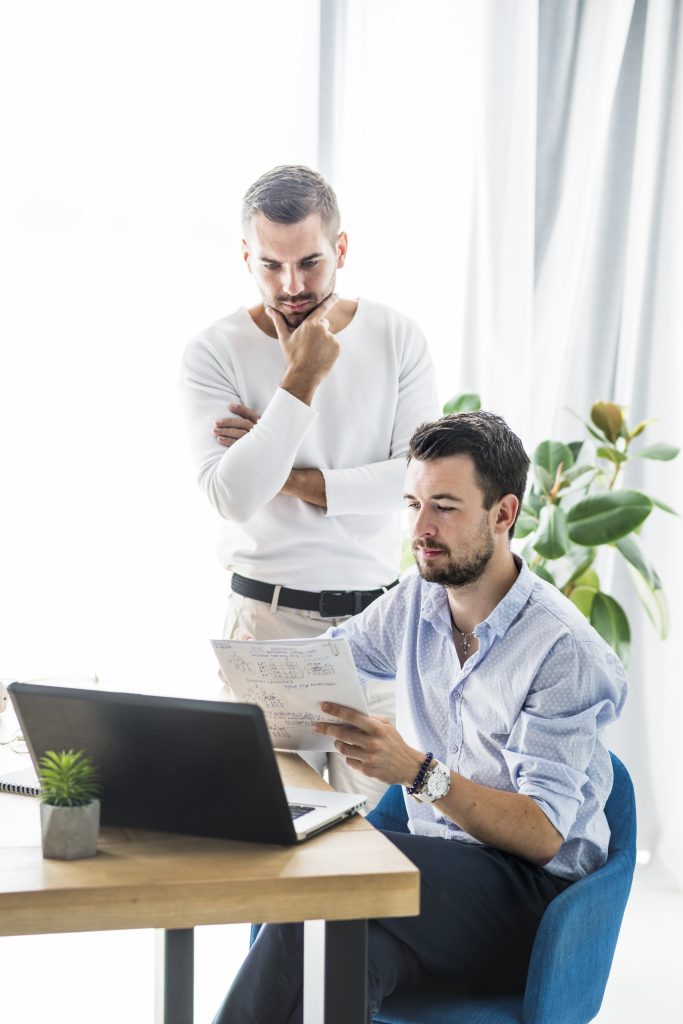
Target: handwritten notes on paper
x=289, y=679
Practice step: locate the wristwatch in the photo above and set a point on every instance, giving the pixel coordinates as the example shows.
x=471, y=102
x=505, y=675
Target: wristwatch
x=436, y=784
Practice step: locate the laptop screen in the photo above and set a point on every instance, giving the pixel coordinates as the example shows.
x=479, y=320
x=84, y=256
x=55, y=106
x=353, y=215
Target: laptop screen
x=200, y=767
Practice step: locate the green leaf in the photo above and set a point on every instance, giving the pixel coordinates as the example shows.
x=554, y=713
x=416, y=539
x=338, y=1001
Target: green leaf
x=604, y=518
x=533, y=502
x=577, y=491
x=544, y=478
x=550, y=454
x=589, y=578
x=666, y=508
x=647, y=583
x=575, y=447
x=662, y=452
x=542, y=573
x=67, y=778
x=583, y=598
x=526, y=523
x=465, y=402
x=552, y=539
x=609, y=619
x=632, y=550
x=639, y=428
x=576, y=561
x=576, y=471
x=653, y=601
x=613, y=454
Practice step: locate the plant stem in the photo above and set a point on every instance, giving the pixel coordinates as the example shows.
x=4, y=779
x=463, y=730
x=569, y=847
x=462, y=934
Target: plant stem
x=555, y=489
x=618, y=465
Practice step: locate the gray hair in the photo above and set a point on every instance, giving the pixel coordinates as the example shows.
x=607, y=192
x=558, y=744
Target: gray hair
x=288, y=194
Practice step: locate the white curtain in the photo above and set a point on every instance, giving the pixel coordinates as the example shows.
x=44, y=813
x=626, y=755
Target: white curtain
x=586, y=306
x=564, y=223
x=130, y=131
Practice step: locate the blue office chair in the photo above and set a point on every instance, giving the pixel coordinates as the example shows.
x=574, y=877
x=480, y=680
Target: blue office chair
x=574, y=945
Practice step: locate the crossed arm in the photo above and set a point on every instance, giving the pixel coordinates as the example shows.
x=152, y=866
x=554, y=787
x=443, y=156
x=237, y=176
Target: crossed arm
x=310, y=352
x=509, y=821
x=371, y=487
x=306, y=484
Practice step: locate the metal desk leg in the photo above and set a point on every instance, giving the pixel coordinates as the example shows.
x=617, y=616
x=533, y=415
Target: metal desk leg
x=346, y=972
x=174, y=977
x=335, y=972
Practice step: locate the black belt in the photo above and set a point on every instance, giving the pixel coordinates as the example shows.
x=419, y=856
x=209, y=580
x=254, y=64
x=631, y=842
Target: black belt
x=329, y=603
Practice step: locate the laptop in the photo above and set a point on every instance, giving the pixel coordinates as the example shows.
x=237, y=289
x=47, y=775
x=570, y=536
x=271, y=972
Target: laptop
x=199, y=767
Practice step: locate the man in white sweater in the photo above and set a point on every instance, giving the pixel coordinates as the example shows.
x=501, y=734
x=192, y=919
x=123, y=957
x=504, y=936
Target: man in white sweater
x=300, y=411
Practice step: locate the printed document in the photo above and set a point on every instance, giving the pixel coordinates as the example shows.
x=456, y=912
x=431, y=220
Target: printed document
x=289, y=679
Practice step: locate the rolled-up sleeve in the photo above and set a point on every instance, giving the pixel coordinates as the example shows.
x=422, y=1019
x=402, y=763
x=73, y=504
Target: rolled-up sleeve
x=579, y=689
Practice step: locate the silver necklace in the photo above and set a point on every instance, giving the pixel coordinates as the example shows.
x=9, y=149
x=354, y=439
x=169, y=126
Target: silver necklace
x=467, y=638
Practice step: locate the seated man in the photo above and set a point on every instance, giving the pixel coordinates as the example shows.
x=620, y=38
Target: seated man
x=503, y=691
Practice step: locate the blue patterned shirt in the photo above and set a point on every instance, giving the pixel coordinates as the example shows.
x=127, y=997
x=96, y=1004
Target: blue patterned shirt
x=525, y=713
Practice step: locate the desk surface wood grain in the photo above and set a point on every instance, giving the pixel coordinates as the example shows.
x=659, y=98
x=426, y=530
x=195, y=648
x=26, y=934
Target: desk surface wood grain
x=157, y=880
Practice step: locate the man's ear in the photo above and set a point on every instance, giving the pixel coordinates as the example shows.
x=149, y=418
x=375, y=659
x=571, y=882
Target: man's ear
x=245, y=254
x=342, y=247
x=508, y=506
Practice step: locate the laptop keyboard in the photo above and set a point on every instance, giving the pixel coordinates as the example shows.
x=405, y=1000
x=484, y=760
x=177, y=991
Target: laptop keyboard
x=298, y=809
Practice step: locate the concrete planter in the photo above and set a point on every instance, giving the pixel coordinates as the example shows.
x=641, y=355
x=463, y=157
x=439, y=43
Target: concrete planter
x=70, y=833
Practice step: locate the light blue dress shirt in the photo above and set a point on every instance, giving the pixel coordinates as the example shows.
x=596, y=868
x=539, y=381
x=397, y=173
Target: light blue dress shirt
x=525, y=713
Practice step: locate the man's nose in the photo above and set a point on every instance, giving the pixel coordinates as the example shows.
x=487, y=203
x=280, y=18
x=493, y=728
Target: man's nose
x=423, y=525
x=292, y=280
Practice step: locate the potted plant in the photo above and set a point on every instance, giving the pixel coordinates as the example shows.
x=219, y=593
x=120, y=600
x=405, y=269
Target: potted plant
x=574, y=516
x=70, y=806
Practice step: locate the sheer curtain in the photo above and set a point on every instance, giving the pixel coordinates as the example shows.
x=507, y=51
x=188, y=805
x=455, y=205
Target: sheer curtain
x=403, y=161
x=598, y=276
x=539, y=160
x=130, y=132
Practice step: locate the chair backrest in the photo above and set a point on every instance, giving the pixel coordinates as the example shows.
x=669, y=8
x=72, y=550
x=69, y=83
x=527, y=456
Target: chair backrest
x=390, y=813
x=575, y=942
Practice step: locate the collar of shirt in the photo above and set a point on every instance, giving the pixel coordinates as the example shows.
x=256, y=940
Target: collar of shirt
x=435, y=608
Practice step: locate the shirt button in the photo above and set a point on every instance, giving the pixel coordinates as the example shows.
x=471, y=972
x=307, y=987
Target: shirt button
x=454, y=748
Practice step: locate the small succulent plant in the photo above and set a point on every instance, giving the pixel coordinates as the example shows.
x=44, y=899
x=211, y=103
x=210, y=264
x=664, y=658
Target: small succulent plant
x=67, y=778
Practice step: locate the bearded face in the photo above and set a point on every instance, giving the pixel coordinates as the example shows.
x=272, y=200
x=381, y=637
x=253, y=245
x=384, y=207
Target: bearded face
x=459, y=566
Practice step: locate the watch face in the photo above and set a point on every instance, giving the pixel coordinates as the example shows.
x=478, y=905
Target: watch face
x=438, y=782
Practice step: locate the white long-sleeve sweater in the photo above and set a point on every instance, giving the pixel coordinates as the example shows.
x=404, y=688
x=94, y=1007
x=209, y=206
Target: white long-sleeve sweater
x=356, y=432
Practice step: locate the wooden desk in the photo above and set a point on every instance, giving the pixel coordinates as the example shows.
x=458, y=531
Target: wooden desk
x=153, y=880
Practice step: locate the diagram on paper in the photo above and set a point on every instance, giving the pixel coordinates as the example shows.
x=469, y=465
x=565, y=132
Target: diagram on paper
x=265, y=698
x=288, y=679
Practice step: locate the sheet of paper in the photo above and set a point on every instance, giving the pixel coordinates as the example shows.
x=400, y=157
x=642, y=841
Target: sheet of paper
x=288, y=679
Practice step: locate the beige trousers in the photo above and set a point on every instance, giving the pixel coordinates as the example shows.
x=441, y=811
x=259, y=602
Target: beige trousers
x=259, y=619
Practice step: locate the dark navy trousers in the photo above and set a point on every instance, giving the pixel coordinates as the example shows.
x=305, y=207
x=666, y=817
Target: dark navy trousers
x=480, y=909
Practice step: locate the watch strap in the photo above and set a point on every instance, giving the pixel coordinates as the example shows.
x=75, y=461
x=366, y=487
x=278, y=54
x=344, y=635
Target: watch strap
x=424, y=795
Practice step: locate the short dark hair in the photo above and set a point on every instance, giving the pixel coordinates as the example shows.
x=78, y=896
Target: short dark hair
x=288, y=194
x=500, y=462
